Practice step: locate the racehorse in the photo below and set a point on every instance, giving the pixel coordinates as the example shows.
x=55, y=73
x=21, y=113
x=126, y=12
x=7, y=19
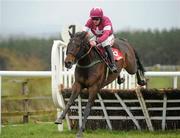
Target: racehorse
x=91, y=71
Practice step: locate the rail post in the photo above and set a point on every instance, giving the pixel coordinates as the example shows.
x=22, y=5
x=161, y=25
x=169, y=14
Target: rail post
x=25, y=92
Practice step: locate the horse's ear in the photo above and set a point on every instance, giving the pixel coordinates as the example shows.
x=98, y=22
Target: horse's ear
x=70, y=34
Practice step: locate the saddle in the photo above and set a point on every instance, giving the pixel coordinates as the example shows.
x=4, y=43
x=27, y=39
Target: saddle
x=103, y=54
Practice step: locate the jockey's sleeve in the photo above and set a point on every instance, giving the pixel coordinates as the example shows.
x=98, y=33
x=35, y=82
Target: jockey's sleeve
x=87, y=26
x=91, y=36
x=107, y=31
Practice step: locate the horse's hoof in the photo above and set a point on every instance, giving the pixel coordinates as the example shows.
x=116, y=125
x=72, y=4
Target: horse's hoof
x=79, y=135
x=58, y=121
x=121, y=80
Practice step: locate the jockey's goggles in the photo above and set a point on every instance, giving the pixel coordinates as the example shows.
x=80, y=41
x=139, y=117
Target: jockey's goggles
x=96, y=18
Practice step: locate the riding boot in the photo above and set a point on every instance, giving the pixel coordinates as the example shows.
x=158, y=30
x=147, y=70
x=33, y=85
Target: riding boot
x=111, y=57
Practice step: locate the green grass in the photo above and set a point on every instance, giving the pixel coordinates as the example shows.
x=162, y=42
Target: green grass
x=49, y=130
x=161, y=82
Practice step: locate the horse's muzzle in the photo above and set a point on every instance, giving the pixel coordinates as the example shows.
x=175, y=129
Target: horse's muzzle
x=69, y=61
x=68, y=64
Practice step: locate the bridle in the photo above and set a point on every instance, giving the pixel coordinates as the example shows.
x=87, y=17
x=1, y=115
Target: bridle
x=83, y=46
x=83, y=51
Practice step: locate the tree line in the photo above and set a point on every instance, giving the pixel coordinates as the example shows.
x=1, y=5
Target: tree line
x=25, y=54
x=153, y=46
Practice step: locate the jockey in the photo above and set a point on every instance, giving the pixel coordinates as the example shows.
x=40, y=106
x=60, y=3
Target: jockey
x=101, y=28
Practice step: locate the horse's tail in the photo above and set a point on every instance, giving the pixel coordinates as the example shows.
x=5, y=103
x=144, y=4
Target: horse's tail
x=139, y=64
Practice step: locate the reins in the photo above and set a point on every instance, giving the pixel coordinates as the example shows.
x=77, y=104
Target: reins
x=87, y=53
x=91, y=64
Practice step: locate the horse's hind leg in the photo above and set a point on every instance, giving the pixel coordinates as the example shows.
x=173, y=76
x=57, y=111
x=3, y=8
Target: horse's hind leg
x=140, y=71
x=92, y=95
x=141, y=80
x=135, y=68
x=131, y=66
x=75, y=92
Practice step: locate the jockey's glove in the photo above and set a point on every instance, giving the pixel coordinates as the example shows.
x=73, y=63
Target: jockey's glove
x=93, y=43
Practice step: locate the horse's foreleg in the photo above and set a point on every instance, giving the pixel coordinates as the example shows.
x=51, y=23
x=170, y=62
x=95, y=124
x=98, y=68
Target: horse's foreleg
x=120, y=80
x=92, y=95
x=75, y=92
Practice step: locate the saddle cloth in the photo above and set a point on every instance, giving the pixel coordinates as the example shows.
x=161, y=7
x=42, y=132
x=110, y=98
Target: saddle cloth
x=117, y=53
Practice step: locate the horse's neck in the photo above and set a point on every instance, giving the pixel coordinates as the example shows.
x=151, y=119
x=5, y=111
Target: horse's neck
x=85, y=61
x=89, y=59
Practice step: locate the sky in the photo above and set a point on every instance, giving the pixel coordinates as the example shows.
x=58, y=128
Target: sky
x=33, y=17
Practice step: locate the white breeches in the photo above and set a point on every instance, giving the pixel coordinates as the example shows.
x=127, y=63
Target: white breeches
x=108, y=41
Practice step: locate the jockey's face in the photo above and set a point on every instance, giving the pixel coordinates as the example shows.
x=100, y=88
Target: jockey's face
x=96, y=20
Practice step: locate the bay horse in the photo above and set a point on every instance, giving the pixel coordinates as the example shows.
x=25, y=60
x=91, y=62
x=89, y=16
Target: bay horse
x=91, y=71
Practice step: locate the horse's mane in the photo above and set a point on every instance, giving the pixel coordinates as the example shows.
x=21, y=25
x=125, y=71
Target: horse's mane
x=80, y=34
